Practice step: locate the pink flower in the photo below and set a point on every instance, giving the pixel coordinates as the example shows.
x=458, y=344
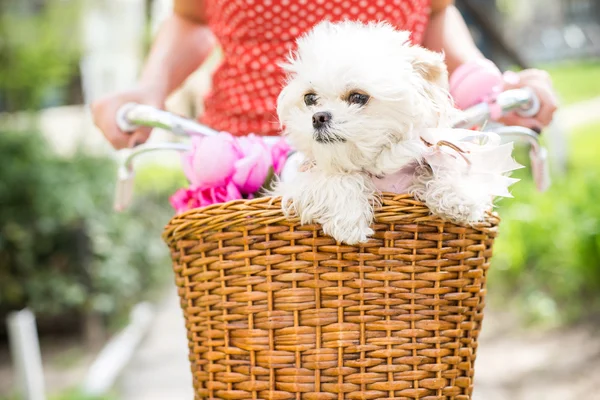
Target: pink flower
x=252, y=168
x=211, y=161
x=184, y=200
x=279, y=154
x=222, y=168
x=194, y=197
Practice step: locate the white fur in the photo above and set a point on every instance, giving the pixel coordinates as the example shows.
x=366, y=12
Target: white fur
x=408, y=93
x=342, y=203
x=450, y=194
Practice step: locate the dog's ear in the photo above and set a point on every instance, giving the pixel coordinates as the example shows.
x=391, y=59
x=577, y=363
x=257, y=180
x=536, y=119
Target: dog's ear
x=282, y=105
x=430, y=65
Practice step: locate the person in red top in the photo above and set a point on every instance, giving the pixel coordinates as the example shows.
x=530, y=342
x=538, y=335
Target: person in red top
x=255, y=35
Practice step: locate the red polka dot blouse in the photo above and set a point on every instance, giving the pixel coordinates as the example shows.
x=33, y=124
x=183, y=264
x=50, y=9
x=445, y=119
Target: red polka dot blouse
x=256, y=34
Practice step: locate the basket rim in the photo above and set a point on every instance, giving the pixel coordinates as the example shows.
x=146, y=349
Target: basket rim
x=393, y=208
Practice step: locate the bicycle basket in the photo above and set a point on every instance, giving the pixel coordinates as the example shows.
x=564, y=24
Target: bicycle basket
x=276, y=310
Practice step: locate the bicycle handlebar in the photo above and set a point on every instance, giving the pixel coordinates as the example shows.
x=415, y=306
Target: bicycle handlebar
x=523, y=101
x=126, y=173
x=132, y=116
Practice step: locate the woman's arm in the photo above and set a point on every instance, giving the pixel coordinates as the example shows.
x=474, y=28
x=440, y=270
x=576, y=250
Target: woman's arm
x=183, y=42
x=448, y=32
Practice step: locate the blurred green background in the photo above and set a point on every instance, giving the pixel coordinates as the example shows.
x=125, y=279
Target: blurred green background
x=81, y=267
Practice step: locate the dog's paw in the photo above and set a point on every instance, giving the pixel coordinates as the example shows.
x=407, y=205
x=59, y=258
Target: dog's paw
x=451, y=197
x=462, y=214
x=348, y=232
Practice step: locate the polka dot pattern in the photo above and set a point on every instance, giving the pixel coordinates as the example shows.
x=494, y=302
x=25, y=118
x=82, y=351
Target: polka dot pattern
x=256, y=34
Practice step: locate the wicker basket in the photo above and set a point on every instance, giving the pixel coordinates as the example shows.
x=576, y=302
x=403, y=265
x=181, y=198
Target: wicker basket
x=276, y=310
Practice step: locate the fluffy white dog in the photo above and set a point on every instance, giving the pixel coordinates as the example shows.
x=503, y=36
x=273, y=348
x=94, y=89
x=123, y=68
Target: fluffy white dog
x=358, y=104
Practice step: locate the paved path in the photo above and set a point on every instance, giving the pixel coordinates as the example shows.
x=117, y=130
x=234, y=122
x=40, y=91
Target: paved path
x=578, y=114
x=160, y=369
x=514, y=364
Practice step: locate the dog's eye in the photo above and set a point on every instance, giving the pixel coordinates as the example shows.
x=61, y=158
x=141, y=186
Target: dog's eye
x=358, y=98
x=310, y=99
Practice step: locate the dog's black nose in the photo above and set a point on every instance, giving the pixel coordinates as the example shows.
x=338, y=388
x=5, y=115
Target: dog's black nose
x=321, y=119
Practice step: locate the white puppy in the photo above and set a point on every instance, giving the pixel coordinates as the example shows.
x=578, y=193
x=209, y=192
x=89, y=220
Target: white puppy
x=357, y=100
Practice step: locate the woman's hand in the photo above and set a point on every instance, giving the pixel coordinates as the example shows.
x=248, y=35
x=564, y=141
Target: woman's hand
x=448, y=32
x=541, y=83
x=104, y=113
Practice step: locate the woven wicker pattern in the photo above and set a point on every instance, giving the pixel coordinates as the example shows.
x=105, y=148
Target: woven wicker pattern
x=275, y=310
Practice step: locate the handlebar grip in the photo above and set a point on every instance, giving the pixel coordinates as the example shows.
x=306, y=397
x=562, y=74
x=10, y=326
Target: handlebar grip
x=123, y=121
x=533, y=108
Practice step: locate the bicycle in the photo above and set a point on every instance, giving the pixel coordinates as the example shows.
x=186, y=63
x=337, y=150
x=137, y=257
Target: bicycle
x=277, y=310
